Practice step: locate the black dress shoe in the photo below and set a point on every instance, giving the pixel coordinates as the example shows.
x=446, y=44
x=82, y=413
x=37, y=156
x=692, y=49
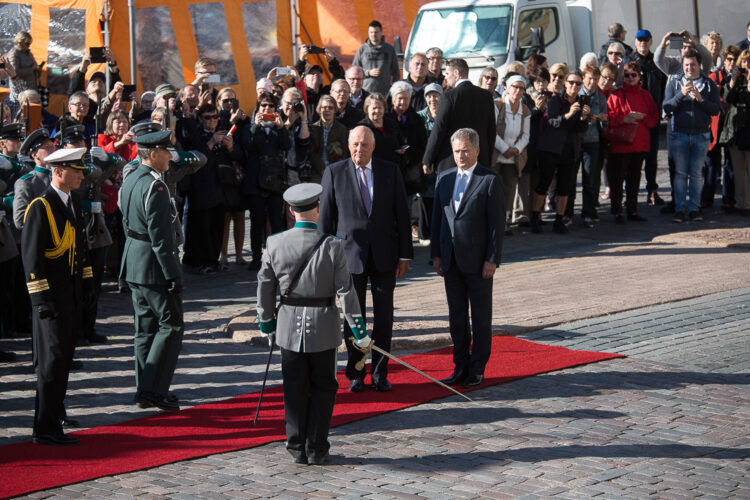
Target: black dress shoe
x=300, y=459
x=54, y=439
x=382, y=385
x=254, y=265
x=95, y=338
x=69, y=422
x=322, y=460
x=148, y=400
x=637, y=218
x=356, y=385
x=76, y=364
x=457, y=377
x=172, y=398
x=82, y=342
x=473, y=380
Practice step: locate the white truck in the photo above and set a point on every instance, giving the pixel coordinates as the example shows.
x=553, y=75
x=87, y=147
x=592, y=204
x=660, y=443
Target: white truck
x=496, y=32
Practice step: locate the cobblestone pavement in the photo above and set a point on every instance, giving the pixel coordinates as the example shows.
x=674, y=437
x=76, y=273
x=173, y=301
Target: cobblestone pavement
x=671, y=420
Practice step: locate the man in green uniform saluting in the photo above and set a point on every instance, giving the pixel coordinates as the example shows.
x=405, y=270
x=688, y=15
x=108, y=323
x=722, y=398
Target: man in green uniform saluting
x=151, y=267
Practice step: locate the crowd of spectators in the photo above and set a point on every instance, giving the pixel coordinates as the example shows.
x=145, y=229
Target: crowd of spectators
x=553, y=120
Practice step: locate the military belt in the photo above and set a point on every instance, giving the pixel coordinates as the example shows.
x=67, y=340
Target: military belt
x=138, y=236
x=307, y=302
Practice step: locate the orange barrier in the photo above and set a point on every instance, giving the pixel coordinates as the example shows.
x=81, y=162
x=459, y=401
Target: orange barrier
x=246, y=36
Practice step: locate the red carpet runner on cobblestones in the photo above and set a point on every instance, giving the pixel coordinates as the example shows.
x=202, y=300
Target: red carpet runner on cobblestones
x=227, y=425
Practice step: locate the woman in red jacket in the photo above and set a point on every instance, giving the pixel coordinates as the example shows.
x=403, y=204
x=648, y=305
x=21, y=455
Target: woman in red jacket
x=627, y=105
x=116, y=138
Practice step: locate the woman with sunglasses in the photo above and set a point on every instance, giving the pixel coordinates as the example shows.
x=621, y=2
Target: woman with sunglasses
x=616, y=55
x=266, y=143
x=559, y=148
x=736, y=132
x=206, y=198
x=629, y=105
x=557, y=73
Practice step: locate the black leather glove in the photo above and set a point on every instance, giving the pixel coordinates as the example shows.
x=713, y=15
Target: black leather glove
x=175, y=287
x=47, y=311
x=89, y=298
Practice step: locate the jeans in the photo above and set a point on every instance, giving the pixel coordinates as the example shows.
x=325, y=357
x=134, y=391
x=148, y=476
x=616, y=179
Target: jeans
x=689, y=153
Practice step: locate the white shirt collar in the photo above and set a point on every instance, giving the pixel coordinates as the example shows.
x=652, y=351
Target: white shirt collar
x=366, y=167
x=62, y=194
x=468, y=171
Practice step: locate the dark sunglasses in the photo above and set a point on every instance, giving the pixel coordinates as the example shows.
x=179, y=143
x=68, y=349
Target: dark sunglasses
x=574, y=82
x=630, y=75
x=614, y=53
x=642, y=39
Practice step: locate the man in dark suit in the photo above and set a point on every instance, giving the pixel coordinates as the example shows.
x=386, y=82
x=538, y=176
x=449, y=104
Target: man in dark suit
x=465, y=106
x=364, y=204
x=60, y=281
x=468, y=223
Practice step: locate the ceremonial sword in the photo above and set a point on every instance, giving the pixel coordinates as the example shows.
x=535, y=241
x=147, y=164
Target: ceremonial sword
x=361, y=364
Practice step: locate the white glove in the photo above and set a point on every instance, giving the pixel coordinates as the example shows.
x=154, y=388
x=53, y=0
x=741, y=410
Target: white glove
x=364, y=342
x=271, y=338
x=99, y=154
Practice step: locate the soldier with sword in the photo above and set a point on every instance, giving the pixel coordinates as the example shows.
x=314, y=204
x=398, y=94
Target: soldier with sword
x=309, y=268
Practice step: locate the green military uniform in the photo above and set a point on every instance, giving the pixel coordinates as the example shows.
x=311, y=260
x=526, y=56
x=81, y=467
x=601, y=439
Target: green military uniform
x=151, y=267
x=307, y=325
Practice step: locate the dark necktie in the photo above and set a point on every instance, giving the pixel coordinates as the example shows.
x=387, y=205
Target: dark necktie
x=70, y=206
x=364, y=189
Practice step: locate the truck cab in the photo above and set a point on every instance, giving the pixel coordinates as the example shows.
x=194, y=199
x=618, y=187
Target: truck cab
x=496, y=32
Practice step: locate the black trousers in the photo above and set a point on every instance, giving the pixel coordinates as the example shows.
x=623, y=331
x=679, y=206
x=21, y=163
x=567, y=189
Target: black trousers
x=203, y=236
x=471, y=344
x=54, y=344
x=262, y=207
x=97, y=257
x=309, y=395
x=7, y=289
x=625, y=167
x=382, y=285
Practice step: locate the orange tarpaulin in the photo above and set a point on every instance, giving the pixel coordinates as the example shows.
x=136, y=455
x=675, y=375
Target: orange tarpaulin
x=247, y=38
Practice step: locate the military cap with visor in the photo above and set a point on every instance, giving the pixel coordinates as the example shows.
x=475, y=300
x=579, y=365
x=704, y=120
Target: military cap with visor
x=12, y=131
x=156, y=140
x=72, y=158
x=143, y=128
x=73, y=133
x=303, y=197
x=33, y=141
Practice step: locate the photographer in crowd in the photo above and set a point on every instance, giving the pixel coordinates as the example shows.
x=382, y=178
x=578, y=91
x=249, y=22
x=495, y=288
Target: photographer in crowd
x=265, y=142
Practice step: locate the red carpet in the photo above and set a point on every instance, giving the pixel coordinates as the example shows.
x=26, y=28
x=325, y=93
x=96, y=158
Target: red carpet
x=227, y=425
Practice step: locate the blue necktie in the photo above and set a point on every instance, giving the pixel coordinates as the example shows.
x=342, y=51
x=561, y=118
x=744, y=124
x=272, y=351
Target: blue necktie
x=460, y=188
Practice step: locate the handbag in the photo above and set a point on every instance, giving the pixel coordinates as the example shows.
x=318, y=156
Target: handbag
x=273, y=176
x=228, y=175
x=621, y=134
x=624, y=133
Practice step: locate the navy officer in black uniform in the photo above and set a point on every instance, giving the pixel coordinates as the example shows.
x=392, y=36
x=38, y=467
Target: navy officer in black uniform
x=59, y=279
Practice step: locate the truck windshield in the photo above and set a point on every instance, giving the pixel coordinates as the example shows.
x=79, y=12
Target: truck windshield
x=463, y=31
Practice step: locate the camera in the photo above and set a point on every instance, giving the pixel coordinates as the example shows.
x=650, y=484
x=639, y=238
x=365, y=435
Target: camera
x=298, y=105
x=235, y=104
x=584, y=100
x=97, y=55
x=304, y=171
x=546, y=93
x=314, y=49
